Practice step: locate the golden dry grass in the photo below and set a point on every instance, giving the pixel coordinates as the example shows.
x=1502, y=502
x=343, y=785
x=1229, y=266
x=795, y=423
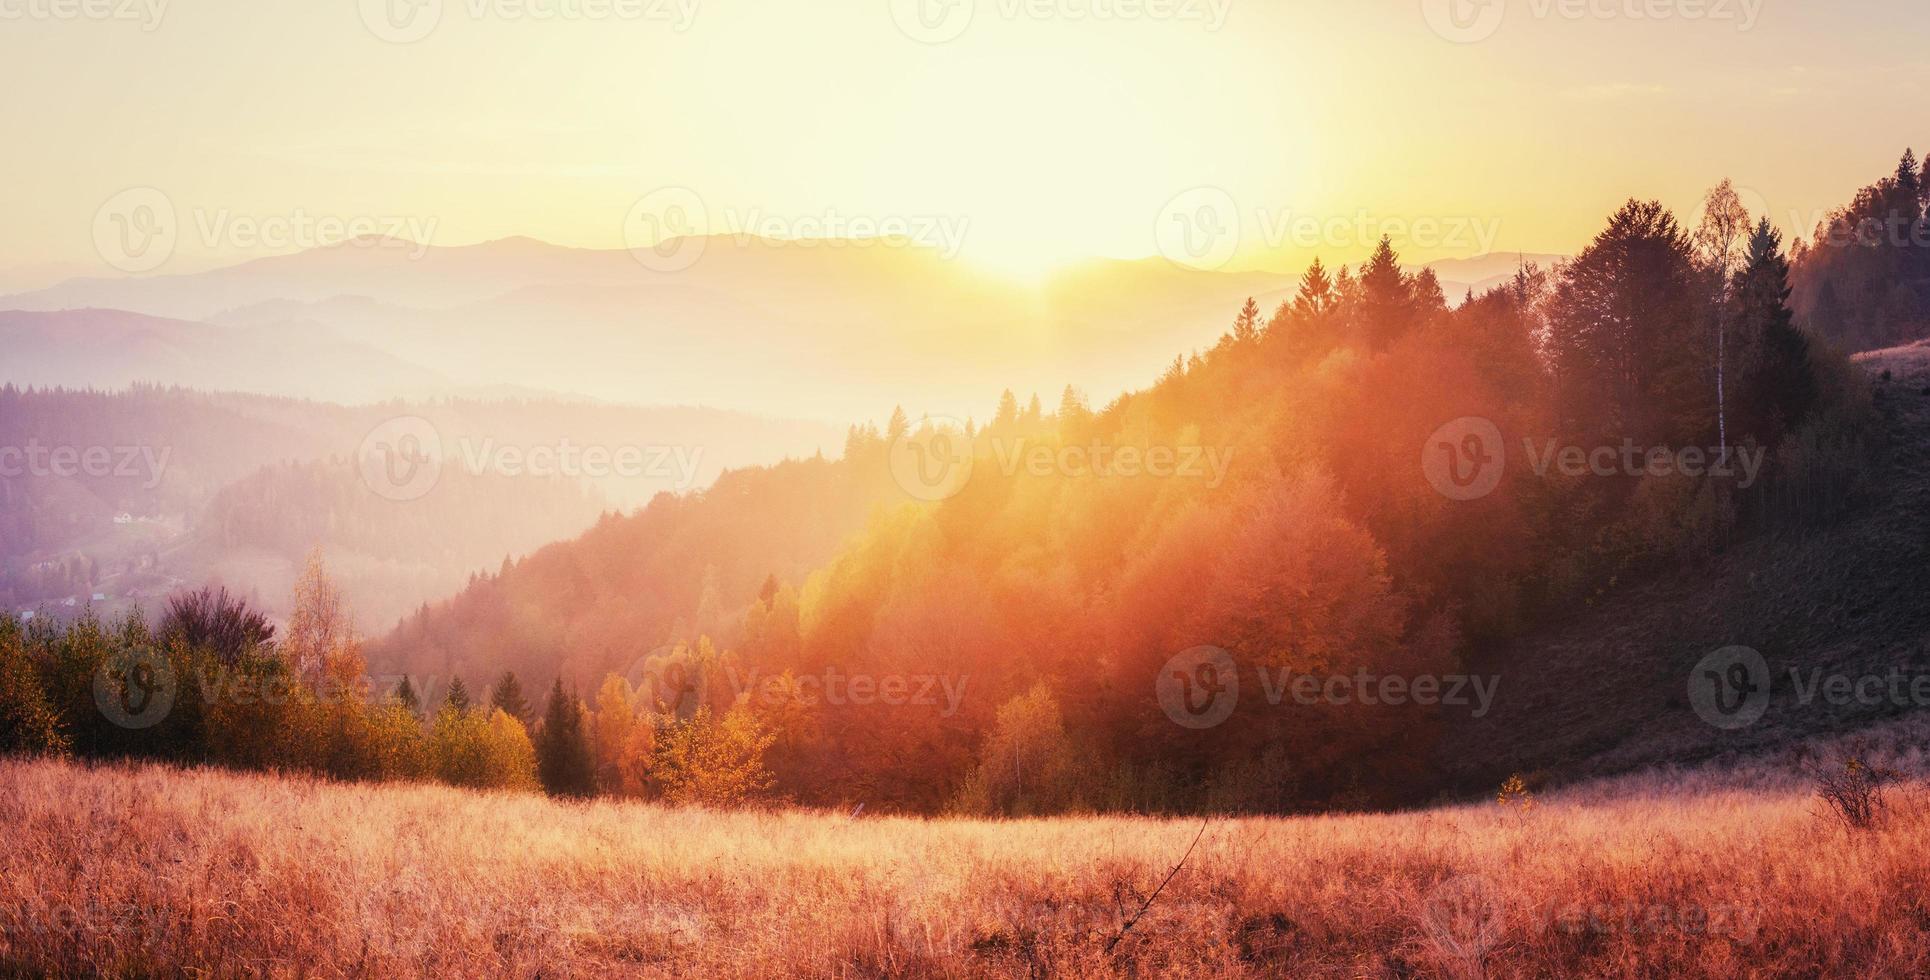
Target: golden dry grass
x=146, y=870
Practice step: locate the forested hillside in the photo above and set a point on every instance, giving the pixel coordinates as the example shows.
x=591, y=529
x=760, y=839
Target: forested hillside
x=1271, y=500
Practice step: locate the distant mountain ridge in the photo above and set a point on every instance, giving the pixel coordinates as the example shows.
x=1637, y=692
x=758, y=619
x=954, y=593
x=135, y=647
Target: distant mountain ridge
x=736, y=329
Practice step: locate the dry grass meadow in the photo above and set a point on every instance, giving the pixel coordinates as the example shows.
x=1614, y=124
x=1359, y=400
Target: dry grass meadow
x=150, y=871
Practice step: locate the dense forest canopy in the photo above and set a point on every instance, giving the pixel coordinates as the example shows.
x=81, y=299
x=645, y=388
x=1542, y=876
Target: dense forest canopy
x=835, y=632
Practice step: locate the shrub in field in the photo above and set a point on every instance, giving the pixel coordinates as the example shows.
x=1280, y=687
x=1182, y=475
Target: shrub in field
x=469, y=748
x=27, y=722
x=1856, y=794
x=212, y=620
x=711, y=761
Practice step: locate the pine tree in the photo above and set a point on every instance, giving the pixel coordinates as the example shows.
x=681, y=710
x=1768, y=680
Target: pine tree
x=508, y=696
x=458, y=697
x=898, y=425
x=1316, y=297
x=1008, y=411
x=1626, y=335
x=1073, y=412
x=1387, y=298
x=406, y=695
x=564, y=761
x=1246, y=326
x=1777, y=385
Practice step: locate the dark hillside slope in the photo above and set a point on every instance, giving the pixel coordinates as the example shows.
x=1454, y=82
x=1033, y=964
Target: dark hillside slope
x=1607, y=689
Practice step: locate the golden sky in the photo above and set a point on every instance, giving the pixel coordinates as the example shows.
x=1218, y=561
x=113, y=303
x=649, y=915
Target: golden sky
x=1047, y=130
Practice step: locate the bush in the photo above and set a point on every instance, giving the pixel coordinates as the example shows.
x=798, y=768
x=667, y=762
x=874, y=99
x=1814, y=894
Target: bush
x=711, y=762
x=492, y=751
x=27, y=722
x=1856, y=794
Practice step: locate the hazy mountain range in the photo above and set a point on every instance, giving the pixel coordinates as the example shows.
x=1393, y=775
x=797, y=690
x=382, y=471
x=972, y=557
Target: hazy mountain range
x=752, y=325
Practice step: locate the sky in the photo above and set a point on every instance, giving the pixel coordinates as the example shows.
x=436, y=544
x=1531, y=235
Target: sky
x=1223, y=133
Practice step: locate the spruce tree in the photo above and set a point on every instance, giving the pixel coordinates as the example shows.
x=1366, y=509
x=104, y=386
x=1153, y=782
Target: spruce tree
x=1246, y=326
x=1777, y=385
x=508, y=696
x=563, y=759
x=405, y=693
x=458, y=696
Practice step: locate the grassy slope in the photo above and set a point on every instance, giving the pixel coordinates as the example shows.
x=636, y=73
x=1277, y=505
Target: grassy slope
x=1606, y=691
x=151, y=871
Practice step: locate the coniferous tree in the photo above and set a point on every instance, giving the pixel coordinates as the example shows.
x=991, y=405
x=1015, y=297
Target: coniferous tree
x=1008, y=412
x=1316, y=297
x=405, y=694
x=508, y=696
x=1778, y=386
x=1386, y=295
x=458, y=697
x=1246, y=326
x=1625, y=337
x=564, y=761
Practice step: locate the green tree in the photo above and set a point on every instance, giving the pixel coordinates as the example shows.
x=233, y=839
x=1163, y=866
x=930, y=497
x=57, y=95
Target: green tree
x=508, y=697
x=28, y=723
x=1778, y=386
x=1625, y=336
x=457, y=699
x=406, y=696
x=563, y=759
